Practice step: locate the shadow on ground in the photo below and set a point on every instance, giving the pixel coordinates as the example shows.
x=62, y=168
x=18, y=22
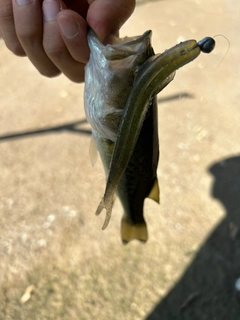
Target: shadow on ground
x=75, y=127
x=212, y=275
x=70, y=127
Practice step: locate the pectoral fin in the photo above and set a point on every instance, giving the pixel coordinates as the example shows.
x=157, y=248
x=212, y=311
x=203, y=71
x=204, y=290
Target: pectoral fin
x=155, y=192
x=131, y=231
x=93, y=153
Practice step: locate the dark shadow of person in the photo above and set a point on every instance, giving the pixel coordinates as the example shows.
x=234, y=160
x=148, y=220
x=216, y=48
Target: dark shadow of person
x=211, y=277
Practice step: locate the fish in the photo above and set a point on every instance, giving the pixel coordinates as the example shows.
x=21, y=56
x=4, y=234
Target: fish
x=122, y=80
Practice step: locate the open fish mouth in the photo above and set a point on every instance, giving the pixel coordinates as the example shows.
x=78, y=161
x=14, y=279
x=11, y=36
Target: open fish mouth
x=109, y=78
x=131, y=75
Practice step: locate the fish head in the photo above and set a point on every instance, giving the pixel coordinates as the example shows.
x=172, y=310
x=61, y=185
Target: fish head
x=109, y=78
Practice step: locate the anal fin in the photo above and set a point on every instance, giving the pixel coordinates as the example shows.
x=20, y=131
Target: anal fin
x=155, y=192
x=131, y=231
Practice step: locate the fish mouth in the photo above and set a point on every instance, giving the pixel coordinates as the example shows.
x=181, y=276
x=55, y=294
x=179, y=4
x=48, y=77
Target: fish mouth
x=121, y=48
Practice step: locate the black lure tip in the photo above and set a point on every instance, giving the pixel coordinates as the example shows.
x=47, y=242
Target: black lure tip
x=207, y=44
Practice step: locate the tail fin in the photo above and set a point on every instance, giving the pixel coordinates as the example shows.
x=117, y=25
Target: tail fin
x=131, y=231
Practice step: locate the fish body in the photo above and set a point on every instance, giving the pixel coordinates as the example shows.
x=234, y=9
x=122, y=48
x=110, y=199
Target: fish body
x=139, y=180
x=110, y=76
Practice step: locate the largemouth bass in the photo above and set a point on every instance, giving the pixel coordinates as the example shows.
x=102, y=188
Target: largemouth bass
x=121, y=84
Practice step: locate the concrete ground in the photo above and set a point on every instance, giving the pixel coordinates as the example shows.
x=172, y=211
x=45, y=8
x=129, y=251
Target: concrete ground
x=51, y=243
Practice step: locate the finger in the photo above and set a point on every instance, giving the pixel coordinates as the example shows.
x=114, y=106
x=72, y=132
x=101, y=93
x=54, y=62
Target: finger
x=29, y=30
x=74, y=33
x=54, y=45
x=7, y=28
x=106, y=17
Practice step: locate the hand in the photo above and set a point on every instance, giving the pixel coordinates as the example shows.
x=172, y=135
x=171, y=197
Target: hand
x=55, y=40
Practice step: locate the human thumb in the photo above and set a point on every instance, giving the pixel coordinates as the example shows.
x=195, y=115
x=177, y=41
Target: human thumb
x=106, y=17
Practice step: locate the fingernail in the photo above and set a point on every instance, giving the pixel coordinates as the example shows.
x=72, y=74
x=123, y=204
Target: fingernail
x=23, y=2
x=50, y=9
x=69, y=27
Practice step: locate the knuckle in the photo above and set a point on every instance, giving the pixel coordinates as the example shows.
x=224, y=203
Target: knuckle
x=76, y=79
x=54, y=52
x=48, y=69
x=50, y=73
x=6, y=11
x=26, y=35
x=16, y=48
x=77, y=75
